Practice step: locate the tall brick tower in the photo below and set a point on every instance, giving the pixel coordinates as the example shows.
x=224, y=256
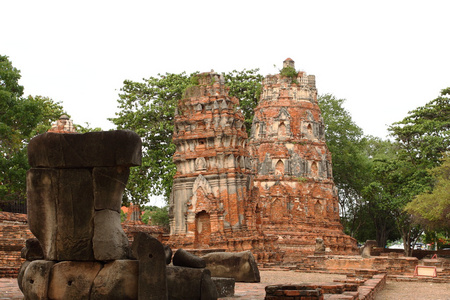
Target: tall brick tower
x=296, y=199
x=211, y=187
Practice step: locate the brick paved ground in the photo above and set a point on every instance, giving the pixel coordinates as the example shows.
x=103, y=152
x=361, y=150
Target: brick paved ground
x=252, y=291
x=9, y=289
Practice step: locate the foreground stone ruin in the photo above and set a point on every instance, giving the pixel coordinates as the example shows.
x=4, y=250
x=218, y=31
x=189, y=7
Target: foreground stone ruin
x=74, y=193
x=272, y=194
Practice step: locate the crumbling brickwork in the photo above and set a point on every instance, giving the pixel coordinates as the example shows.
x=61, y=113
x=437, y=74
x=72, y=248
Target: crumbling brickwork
x=276, y=186
x=210, y=202
x=296, y=199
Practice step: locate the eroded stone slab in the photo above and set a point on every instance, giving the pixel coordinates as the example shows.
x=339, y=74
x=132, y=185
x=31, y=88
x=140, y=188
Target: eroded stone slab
x=32, y=250
x=109, y=240
x=72, y=279
x=367, y=248
x=168, y=252
x=152, y=267
x=109, y=185
x=42, y=194
x=117, y=280
x=75, y=213
x=61, y=211
x=190, y=283
x=36, y=279
x=183, y=258
x=238, y=265
x=92, y=149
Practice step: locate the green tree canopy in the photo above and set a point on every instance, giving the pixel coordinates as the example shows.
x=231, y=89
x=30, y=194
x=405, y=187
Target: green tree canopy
x=148, y=108
x=421, y=139
x=346, y=142
x=21, y=118
x=424, y=135
x=432, y=209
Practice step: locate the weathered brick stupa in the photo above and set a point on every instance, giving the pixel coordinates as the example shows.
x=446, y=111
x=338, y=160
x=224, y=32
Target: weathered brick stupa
x=210, y=206
x=297, y=199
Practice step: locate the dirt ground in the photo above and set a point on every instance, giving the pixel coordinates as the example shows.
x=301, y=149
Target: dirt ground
x=414, y=290
x=394, y=290
x=251, y=291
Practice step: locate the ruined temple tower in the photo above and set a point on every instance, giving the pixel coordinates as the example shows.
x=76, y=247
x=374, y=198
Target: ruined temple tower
x=274, y=193
x=297, y=199
x=211, y=187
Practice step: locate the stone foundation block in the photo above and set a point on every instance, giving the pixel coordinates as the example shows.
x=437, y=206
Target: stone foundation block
x=72, y=280
x=22, y=269
x=117, y=280
x=36, y=279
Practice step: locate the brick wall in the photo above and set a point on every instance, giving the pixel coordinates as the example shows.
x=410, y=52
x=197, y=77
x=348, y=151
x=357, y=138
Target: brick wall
x=13, y=234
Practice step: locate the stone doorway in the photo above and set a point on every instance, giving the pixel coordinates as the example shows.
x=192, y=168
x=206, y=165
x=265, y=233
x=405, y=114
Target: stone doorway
x=202, y=229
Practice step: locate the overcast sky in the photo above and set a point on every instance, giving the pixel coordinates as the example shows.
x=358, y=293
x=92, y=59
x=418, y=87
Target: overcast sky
x=385, y=57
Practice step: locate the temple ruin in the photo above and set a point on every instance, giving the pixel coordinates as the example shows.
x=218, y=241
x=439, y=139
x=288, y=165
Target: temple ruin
x=274, y=189
x=211, y=204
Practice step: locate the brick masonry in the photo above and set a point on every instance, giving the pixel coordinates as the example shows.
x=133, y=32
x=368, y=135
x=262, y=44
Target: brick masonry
x=13, y=234
x=272, y=193
x=211, y=205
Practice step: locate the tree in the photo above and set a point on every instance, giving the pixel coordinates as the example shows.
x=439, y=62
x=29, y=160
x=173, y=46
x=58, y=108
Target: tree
x=148, y=108
x=346, y=142
x=424, y=135
x=158, y=216
x=86, y=128
x=421, y=138
x=388, y=192
x=21, y=118
x=432, y=208
x=245, y=85
x=374, y=209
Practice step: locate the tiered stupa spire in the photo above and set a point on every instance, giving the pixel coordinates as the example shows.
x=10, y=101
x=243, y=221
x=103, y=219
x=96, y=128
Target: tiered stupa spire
x=297, y=197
